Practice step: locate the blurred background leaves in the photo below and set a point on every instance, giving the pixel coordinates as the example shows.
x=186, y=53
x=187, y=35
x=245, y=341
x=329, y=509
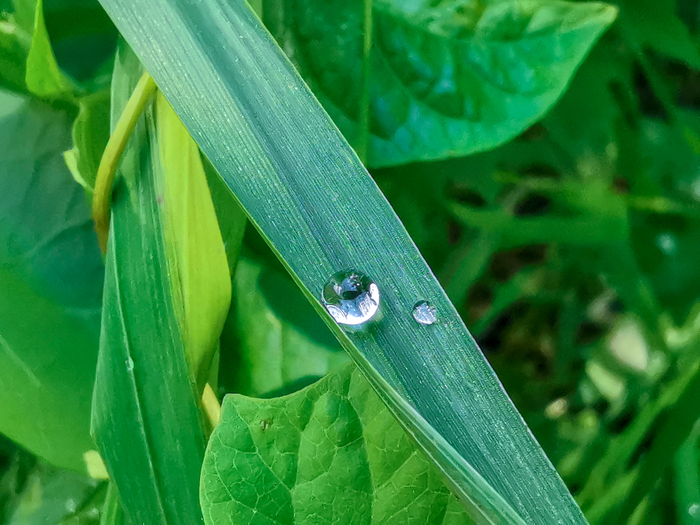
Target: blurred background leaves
x=571, y=250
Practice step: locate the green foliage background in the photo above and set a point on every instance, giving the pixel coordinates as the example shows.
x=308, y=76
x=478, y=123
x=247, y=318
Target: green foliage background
x=564, y=228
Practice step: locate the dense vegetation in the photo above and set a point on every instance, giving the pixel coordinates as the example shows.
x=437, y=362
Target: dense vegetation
x=544, y=158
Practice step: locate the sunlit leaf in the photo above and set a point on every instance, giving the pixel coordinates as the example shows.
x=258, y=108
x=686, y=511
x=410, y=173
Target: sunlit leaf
x=51, y=280
x=331, y=452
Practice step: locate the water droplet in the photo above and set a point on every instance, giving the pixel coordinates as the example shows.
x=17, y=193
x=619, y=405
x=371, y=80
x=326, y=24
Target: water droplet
x=694, y=510
x=424, y=313
x=129, y=364
x=351, y=297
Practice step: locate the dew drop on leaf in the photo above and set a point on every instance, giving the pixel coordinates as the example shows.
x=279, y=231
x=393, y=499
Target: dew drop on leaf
x=424, y=313
x=129, y=364
x=351, y=297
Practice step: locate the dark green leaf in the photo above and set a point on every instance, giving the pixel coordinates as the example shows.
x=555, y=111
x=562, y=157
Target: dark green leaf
x=51, y=495
x=447, y=79
x=653, y=24
x=90, y=135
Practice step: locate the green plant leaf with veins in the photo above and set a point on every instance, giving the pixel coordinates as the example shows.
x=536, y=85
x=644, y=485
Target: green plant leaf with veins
x=331, y=453
x=447, y=78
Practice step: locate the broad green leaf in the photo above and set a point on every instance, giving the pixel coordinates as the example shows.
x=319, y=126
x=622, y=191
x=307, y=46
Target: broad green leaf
x=90, y=135
x=311, y=198
x=51, y=278
x=145, y=409
x=44, y=78
x=448, y=78
x=197, y=264
x=331, y=453
x=283, y=343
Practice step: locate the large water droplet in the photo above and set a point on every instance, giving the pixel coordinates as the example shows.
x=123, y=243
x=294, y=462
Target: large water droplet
x=351, y=297
x=424, y=313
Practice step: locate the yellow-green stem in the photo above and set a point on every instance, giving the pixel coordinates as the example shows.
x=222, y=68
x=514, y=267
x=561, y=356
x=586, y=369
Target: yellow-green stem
x=211, y=406
x=102, y=196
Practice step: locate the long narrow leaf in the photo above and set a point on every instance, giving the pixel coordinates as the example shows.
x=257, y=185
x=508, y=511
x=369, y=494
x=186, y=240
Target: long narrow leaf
x=145, y=413
x=307, y=192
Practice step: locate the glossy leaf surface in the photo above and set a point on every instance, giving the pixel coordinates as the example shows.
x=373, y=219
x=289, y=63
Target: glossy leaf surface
x=447, y=78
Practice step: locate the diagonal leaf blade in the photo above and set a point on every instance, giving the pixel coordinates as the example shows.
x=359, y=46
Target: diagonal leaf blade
x=307, y=192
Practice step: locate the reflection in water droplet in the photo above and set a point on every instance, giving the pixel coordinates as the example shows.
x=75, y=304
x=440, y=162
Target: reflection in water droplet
x=351, y=297
x=424, y=313
x=129, y=364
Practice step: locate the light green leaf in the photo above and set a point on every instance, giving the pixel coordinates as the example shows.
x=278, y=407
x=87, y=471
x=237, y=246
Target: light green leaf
x=90, y=135
x=145, y=409
x=197, y=265
x=44, y=78
x=448, y=78
x=283, y=343
x=316, y=205
x=51, y=279
x=331, y=453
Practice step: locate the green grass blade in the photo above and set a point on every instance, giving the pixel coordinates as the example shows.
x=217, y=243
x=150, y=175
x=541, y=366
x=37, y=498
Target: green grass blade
x=145, y=412
x=307, y=192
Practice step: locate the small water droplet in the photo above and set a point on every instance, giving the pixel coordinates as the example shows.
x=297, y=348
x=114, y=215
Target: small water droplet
x=424, y=313
x=694, y=510
x=265, y=424
x=351, y=297
x=129, y=364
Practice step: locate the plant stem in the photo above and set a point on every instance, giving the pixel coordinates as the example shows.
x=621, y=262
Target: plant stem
x=101, y=200
x=211, y=406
